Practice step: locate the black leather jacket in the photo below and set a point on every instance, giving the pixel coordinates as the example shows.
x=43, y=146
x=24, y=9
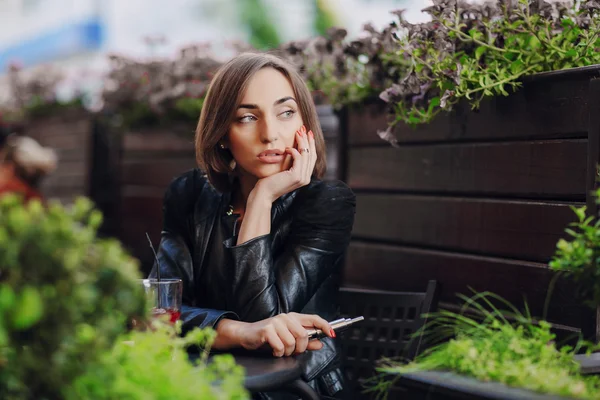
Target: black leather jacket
x=295, y=268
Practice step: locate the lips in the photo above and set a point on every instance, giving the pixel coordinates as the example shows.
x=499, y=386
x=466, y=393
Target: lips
x=272, y=156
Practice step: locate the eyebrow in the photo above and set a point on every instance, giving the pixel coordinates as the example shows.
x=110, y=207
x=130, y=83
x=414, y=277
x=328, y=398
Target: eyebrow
x=278, y=102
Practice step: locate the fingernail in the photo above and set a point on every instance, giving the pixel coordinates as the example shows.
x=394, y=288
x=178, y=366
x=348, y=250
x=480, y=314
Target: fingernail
x=332, y=332
x=312, y=135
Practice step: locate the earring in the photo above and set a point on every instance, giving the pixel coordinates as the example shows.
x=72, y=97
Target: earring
x=232, y=165
x=222, y=146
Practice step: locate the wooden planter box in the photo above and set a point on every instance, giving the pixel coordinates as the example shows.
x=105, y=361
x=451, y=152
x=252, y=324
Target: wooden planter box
x=433, y=385
x=149, y=161
x=477, y=199
x=71, y=136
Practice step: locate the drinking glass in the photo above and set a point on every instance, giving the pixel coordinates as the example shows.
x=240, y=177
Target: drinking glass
x=164, y=296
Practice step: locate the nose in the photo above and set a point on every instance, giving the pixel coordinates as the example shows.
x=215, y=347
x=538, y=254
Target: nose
x=268, y=131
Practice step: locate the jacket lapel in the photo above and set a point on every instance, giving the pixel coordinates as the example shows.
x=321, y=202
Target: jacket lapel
x=205, y=213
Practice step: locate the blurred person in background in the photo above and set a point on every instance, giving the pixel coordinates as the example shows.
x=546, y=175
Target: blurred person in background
x=23, y=163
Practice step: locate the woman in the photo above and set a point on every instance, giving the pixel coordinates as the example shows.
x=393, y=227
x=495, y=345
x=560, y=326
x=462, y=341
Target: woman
x=23, y=163
x=258, y=240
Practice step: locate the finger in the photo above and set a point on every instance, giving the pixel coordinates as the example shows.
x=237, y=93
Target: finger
x=299, y=144
x=313, y=151
x=305, y=151
x=314, y=321
x=286, y=337
x=314, y=345
x=300, y=137
x=273, y=340
x=300, y=333
x=296, y=168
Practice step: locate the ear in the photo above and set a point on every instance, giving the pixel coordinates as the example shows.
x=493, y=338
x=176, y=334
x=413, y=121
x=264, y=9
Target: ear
x=224, y=143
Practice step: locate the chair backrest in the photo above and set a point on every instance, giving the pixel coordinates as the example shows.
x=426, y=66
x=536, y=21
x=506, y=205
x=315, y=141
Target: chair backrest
x=391, y=318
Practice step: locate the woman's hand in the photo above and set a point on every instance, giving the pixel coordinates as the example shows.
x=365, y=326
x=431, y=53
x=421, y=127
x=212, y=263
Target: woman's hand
x=286, y=334
x=305, y=158
x=257, y=216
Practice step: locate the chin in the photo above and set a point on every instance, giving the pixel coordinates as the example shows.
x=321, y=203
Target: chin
x=267, y=170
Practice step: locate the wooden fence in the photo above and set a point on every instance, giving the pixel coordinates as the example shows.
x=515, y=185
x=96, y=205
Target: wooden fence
x=477, y=199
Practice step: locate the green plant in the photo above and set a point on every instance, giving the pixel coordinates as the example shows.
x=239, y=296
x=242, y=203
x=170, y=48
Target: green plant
x=471, y=51
x=188, y=109
x=579, y=257
x=158, y=92
x=38, y=107
x=322, y=77
x=324, y=17
x=153, y=365
x=66, y=301
x=519, y=351
x=263, y=33
x=65, y=295
x=341, y=72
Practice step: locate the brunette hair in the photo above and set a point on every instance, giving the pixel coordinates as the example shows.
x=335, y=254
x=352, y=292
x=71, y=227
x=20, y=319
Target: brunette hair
x=222, y=99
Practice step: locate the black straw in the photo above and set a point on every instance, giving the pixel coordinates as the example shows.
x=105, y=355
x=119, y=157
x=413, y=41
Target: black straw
x=157, y=267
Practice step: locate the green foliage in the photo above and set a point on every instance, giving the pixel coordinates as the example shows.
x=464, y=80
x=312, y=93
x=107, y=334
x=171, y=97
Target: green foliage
x=521, y=353
x=154, y=365
x=324, y=18
x=38, y=107
x=185, y=110
x=66, y=300
x=188, y=108
x=473, y=51
x=65, y=296
x=579, y=257
x=255, y=16
x=321, y=77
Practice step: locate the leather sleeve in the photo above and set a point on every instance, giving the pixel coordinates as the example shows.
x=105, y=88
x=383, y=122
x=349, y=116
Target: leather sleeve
x=176, y=243
x=264, y=285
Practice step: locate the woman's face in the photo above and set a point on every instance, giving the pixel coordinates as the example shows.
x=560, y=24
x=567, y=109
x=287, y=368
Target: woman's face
x=264, y=125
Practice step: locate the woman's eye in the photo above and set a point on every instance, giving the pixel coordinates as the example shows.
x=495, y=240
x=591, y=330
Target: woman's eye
x=288, y=113
x=247, y=118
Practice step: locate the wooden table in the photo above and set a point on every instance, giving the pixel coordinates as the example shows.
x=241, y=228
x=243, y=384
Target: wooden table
x=265, y=373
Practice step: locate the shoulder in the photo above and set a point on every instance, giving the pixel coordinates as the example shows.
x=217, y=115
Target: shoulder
x=327, y=191
x=321, y=202
x=184, y=190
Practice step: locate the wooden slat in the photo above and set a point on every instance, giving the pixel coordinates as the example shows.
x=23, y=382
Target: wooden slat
x=133, y=237
x=141, y=206
x=593, y=158
x=548, y=169
x=364, y=121
x=157, y=141
x=138, y=215
x=539, y=109
x=67, y=140
x=155, y=173
x=72, y=155
x=64, y=177
x=408, y=269
x=517, y=229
